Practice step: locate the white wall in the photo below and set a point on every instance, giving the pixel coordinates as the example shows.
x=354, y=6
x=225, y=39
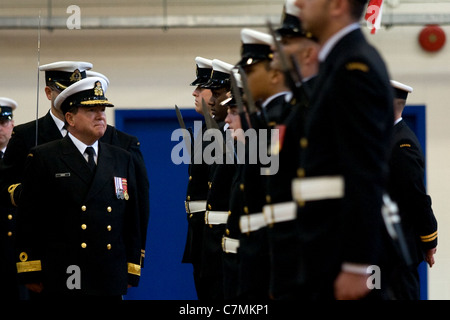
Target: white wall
x=153, y=69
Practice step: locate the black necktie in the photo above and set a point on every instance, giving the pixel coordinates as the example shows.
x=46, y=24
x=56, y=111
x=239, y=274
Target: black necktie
x=90, y=152
x=1, y=154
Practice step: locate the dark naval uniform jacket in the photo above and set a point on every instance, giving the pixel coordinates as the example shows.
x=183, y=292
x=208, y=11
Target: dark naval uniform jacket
x=232, y=234
x=24, y=138
x=10, y=288
x=197, y=190
x=131, y=144
x=283, y=234
x=254, y=258
x=73, y=217
x=345, y=157
x=407, y=189
x=217, y=206
x=195, y=205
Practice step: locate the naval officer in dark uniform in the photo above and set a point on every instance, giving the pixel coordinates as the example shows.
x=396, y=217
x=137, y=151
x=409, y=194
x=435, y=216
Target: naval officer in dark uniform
x=280, y=209
x=197, y=187
x=344, y=157
x=58, y=76
x=91, y=227
x=407, y=189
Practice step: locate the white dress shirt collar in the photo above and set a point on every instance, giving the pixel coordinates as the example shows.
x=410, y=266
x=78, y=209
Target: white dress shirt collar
x=330, y=43
x=82, y=146
x=59, y=123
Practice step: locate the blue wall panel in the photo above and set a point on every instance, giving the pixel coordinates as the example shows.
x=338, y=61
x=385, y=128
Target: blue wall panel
x=164, y=277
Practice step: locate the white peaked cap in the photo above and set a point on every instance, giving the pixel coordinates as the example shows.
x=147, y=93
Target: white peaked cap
x=250, y=36
x=79, y=86
x=203, y=62
x=7, y=102
x=67, y=66
x=291, y=8
x=91, y=73
x=401, y=86
x=221, y=66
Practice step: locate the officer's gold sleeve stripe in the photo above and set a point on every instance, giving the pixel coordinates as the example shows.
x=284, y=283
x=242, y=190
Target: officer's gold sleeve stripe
x=134, y=269
x=28, y=266
x=429, y=237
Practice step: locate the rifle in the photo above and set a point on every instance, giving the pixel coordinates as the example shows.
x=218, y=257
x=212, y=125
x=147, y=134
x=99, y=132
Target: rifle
x=392, y=221
x=183, y=126
x=239, y=102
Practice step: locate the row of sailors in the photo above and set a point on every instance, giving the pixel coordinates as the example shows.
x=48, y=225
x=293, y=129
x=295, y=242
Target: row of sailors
x=243, y=234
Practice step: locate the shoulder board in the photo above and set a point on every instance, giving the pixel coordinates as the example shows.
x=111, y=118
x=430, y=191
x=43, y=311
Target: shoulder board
x=357, y=66
x=405, y=145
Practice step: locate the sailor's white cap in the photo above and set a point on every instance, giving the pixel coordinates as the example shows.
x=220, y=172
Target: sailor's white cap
x=64, y=73
x=7, y=106
x=86, y=92
x=203, y=62
x=203, y=71
x=220, y=76
x=7, y=102
x=291, y=8
x=252, y=36
x=66, y=66
x=91, y=73
x=256, y=46
x=401, y=90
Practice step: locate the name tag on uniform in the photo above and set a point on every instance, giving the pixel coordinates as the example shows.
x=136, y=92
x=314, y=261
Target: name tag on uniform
x=62, y=175
x=121, y=188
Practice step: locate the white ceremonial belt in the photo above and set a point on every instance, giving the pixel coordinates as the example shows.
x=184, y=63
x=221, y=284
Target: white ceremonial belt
x=195, y=206
x=216, y=217
x=280, y=212
x=318, y=188
x=252, y=222
x=230, y=245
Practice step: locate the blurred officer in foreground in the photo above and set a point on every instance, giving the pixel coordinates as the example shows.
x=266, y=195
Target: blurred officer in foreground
x=407, y=189
x=10, y=287
x=280, y=209
x=197, y=187
x=344, y=156
x=82, y=245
